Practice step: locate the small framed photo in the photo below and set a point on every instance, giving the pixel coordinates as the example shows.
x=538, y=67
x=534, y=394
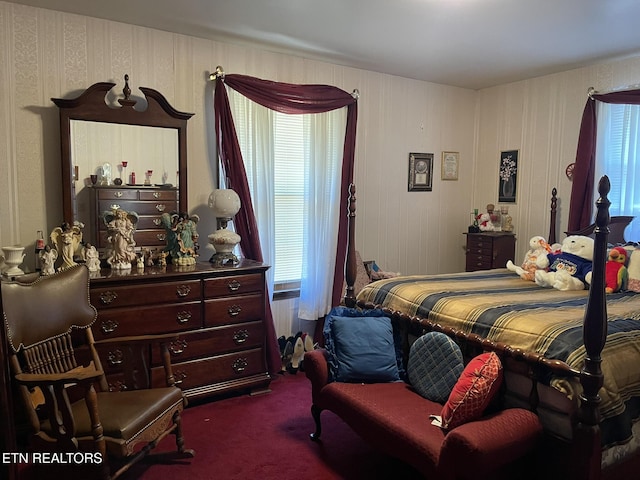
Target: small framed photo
x=450, y=164
x=508, y=176
x=420, y=172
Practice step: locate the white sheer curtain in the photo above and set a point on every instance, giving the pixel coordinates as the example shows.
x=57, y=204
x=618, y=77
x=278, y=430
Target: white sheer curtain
x=321, y=162
x=618, y=156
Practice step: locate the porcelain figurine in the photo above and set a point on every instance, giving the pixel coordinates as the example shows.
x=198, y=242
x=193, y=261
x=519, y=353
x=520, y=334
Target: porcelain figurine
x=66, y=239
x=121, y=225
x=91, y=258
x=48, y=258
x=182, y=237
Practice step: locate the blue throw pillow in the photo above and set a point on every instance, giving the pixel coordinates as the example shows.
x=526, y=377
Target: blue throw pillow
x=434, y=366
x=360, y=348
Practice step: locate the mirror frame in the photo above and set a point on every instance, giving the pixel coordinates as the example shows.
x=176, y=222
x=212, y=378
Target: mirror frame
x=91, y=106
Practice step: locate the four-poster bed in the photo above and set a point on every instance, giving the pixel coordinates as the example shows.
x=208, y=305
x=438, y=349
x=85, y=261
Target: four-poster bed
x=565, y=371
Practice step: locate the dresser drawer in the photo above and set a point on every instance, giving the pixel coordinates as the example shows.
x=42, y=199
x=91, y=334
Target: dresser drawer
x=168, y=195
x=201, y=343
x=151, y=238
x=149, y=222
x=232, y=310
x=238, y=284
x=480, y=242
x=147, y=294
x=478, y=262
x=221, y=368
x=141, y=208
x=111, y=194
x=147, y=320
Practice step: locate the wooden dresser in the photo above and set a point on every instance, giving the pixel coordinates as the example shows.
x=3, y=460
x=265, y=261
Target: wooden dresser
x=217, y=315
x=148, y=202
x=486, y=250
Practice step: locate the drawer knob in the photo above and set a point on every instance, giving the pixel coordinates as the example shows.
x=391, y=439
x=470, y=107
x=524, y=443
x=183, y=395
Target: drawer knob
x=157, y=221
x=234, y=310
x=108, y=297
x=241, y=336
x=183, y=290
x=115, y=206
x=161, y=236
x=117, y=194
x=240, y=365
x=156, y=194
x=234, y=285
x=177, y=347
x=183, y=317
x=179, y=376
x=108, y=326
x=161, y=207
x=118, y=386
x=116, y=357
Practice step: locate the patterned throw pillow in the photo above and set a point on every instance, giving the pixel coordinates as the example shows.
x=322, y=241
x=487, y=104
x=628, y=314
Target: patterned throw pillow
x=478, y=384
x=434, y=366
x=633, y=270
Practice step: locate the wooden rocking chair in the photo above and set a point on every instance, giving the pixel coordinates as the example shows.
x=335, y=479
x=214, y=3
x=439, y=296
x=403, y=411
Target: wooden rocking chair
x=47, y=322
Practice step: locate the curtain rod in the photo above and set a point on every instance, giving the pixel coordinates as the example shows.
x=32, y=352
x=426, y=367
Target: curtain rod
x=592, y=91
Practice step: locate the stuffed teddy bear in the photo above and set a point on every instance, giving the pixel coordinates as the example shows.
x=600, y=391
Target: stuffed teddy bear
x=538, y=247
x=615, y=270
x=569, y=269
x=484, y=222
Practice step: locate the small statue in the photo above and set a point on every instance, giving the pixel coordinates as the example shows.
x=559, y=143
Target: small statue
x=121, y=226
x=66, y=238
x=182, y=237
x=91, y=257
x=140, y=261
x=48, y=258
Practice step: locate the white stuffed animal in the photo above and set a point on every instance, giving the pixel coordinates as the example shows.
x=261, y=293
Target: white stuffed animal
x=538, y=247
x=569, y=269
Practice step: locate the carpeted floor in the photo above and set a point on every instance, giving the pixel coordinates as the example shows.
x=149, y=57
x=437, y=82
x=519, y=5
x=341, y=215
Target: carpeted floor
x=267, y=437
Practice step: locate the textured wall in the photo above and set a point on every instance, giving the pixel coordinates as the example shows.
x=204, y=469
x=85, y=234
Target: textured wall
x=48, y=54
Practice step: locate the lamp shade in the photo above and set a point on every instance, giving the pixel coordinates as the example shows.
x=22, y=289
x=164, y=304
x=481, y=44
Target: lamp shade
x=225, y=203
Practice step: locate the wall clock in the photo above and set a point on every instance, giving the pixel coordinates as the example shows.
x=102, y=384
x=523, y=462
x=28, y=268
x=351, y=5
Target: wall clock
x=569, y=171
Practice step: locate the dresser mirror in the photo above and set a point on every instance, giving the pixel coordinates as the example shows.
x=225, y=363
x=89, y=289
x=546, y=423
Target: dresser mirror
x=115, y=141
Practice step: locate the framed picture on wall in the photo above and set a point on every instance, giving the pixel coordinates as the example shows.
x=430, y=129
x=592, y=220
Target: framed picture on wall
x=508, y=176
x=420, y=172
x=450, y=164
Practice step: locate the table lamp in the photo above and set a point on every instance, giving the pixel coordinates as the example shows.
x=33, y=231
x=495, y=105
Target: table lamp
x=225, y=204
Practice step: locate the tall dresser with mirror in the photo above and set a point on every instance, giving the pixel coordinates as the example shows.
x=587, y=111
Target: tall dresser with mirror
x=215, y=316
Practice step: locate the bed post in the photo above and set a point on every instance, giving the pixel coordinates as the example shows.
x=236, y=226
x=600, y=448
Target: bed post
x=552, y=222
x=587, y=444
x=350, y=265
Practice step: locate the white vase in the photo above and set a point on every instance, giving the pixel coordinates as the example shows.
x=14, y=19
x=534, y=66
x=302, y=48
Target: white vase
x=13, y=257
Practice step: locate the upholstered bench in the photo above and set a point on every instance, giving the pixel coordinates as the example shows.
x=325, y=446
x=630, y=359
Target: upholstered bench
x=397, y=420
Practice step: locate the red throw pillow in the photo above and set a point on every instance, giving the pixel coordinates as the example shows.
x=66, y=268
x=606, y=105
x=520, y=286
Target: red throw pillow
x=474, y=390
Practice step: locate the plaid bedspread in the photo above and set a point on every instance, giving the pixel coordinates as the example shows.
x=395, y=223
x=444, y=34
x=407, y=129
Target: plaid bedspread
x=500, y=306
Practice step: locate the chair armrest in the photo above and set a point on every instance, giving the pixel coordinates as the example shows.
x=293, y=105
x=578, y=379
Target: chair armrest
x=491, y=442
x=316, y=369
x=77, y=375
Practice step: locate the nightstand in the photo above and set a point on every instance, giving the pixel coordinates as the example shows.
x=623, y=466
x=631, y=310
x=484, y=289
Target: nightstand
x=486, y=250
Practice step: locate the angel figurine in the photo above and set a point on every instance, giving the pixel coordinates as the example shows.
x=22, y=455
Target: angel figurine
x=182, y=237
x=91, y=257
x=121, y=226
x=48, y=258
x=66, y=238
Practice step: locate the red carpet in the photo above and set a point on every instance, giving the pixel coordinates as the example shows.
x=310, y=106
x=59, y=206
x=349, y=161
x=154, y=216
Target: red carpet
x=267, y=437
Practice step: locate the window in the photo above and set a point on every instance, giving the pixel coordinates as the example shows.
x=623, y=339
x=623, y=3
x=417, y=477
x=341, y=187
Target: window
x=618, y=156
x=293, y=165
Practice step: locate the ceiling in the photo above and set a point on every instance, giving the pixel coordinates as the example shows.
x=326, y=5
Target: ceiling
x=467, y=43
